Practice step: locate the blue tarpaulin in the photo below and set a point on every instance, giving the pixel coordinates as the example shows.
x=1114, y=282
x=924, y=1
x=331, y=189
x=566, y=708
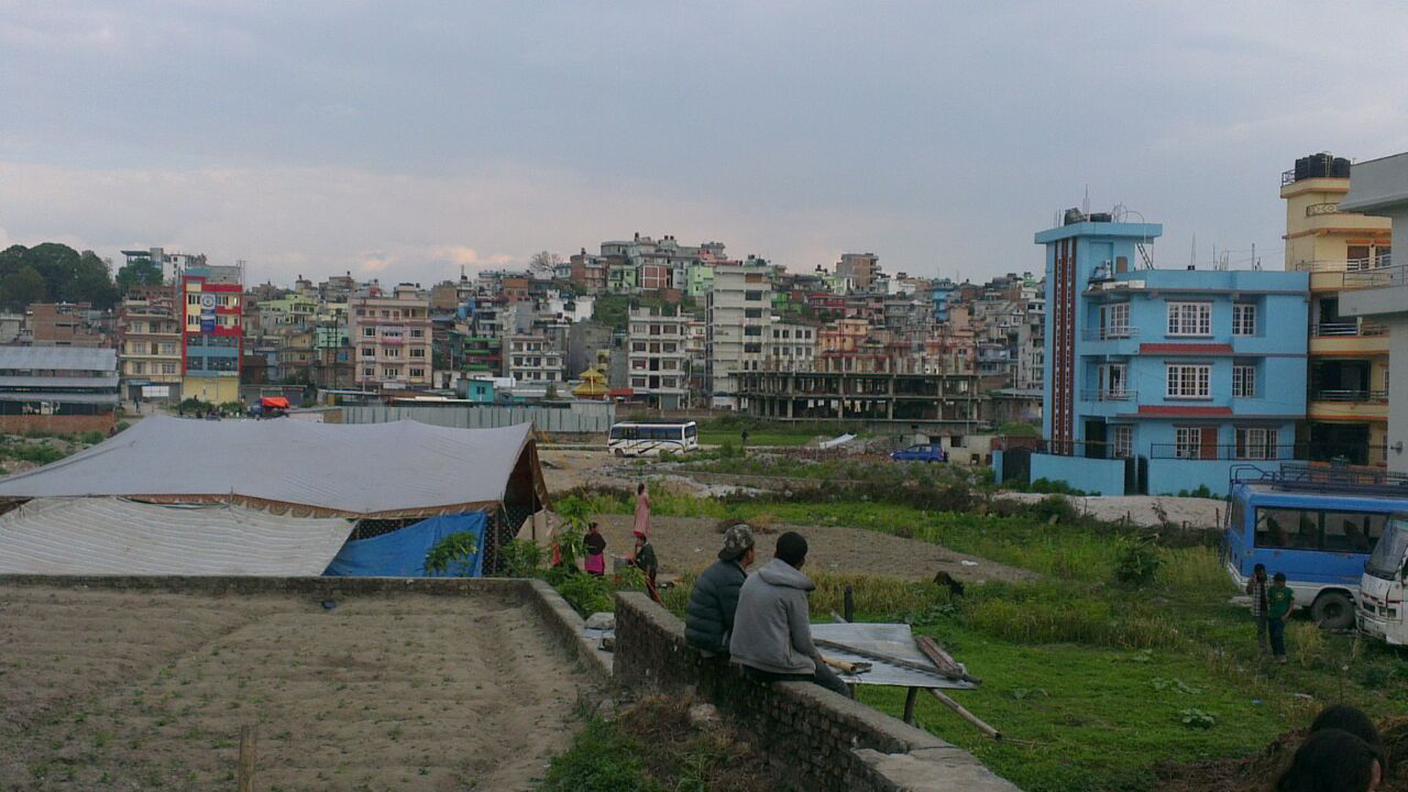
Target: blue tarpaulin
x=402, y=553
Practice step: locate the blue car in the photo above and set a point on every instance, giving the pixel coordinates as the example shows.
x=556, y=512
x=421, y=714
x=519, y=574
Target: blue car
x=931, y=452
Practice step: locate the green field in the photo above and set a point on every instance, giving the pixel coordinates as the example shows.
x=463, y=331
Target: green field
x=1094, y=683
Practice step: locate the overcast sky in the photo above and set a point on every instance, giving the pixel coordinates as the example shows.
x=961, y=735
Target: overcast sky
x=402, y=140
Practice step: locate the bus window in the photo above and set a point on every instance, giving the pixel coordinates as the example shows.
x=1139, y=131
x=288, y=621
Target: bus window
x=1349, y=532
x=1237, y=516
x=618, y=432
x=691, y=431
x=1282, y=528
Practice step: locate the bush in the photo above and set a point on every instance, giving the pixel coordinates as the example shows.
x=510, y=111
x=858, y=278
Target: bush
x=91, y=438
x=520, y=558
x=1137, y=560
x=602, y=759
x=1057, y=487
x=588, y=594
x=1201, y=492
x=1054, y=506
x=453, y=555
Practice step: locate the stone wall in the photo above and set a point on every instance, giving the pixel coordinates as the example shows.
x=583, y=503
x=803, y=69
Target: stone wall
x=822, y=740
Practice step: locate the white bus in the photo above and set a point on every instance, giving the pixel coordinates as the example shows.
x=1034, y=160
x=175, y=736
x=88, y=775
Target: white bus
x=651, y=439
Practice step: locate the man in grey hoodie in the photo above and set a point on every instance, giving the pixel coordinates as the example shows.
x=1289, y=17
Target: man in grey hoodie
x=772, y=634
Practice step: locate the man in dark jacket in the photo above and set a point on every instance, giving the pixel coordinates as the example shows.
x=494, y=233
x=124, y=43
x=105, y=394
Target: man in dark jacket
x=709, y=619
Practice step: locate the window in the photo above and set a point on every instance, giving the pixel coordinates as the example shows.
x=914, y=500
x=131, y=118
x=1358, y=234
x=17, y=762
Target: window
x=168, y=368
x=390, y=373
x=753, y=330
x=1114, y=378
x=1114, y=321
x=369, y=332
x=368, y=372
x=1190, y=319
x=753, y=349
x=1188, y=442
x=415, y=372
x=1256, y=443
x=1244, y=319
x=753, y=296
x=1188, y=382
x=417, y=352
x=1311, y=529
x=1123, y=441
x=1243, y=382
x=753, y=313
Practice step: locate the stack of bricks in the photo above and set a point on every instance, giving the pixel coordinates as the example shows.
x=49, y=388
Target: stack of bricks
x=820, y=739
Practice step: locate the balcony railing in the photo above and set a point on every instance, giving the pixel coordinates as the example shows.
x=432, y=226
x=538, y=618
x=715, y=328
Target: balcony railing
x=1109, y=395
x=1349, y=328
x=1356, y=273
x=1274, y=452
x=1109, y=333
x=1349, y=395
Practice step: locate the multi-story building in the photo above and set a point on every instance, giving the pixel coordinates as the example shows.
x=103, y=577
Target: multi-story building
x=792, y=346
x=170, y=264
x=1347, y=414
x=860, y=269
x=1378, y=187
x=392, y=336
x=534, y=359
x=213, y=332
x=1158, y=381
x=658, y=359
x=149, y=344
x=65, y=324
x=739, y=316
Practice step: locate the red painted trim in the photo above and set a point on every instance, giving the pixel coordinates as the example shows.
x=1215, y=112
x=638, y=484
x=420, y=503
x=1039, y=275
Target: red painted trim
x=1175, y=411
x=1185, y=349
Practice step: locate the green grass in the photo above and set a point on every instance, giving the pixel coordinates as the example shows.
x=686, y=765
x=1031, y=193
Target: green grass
x=769, y=438
x=603, y=758
x=1088, y=679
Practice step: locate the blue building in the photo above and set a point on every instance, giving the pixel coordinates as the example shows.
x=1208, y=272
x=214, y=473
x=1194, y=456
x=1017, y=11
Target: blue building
x=942, y=291
x=1160, y=380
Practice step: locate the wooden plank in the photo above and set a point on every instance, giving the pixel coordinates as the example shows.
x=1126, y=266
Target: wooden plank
x=942, y=660
x=909, y=699
x=966, y=715
x=247, y=758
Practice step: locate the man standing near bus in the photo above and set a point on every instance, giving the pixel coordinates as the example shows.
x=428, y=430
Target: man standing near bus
x=1256, y=587
x=1280, y=601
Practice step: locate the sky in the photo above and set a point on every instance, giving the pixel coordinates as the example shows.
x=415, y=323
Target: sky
x=406, y=140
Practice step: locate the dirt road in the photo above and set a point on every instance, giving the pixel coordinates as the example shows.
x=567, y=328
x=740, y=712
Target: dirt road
x=149, y=690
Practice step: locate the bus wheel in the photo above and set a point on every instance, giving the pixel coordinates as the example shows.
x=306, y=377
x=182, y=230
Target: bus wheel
x=620, y=454
x=1333, y=610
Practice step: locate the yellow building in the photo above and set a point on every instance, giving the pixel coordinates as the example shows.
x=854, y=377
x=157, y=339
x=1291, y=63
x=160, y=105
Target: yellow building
x=1347, y=409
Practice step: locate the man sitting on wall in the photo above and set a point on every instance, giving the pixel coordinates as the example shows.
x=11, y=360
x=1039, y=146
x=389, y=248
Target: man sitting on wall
x=772, y=634
x=709, y=620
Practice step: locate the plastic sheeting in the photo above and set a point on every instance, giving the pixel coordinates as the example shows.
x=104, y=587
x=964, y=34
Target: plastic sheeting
x=402, y=553
x=111, y=536
x=351, y=470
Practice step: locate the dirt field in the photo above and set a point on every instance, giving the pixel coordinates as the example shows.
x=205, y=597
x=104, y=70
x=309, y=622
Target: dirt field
x=688, y=544
x=113, y=690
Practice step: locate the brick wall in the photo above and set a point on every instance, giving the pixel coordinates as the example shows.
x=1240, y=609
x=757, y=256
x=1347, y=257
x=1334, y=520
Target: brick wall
x=56, y=424
x=822, y=740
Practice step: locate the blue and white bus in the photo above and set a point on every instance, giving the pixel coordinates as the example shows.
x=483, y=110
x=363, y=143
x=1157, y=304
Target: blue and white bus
x=1316, y=525
x=653, y=439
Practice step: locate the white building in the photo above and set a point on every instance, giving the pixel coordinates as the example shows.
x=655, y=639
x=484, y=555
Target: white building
x=534, y=360
x=792, y=346
x=657, y=357
x=739, y=319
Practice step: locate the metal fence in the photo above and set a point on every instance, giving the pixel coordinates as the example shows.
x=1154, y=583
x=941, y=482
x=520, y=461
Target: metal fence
x=576, y=418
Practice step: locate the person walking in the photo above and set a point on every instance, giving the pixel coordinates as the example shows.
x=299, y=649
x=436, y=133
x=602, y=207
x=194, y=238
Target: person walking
x=1256, y=588
x=708, y=621
x=772, y=633
x=642, y=523
x=1280, y=601
x=595, y=545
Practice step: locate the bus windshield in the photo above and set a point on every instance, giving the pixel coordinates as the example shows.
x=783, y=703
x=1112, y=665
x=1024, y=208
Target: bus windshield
x=1387, y=558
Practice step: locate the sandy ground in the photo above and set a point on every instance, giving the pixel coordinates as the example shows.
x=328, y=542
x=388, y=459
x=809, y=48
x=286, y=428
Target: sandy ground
x=689, y=544
x=114, y=690
x=1147, y=510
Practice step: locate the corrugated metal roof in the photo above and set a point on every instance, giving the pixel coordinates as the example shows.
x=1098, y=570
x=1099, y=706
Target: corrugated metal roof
x=107, y=381
x=58, y=358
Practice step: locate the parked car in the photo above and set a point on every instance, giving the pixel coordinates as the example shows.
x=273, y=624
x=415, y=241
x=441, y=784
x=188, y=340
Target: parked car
x=929, y=452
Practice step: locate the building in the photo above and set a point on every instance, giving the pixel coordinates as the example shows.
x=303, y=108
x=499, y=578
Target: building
x=861, y=269
x=1347, y=414
x=170, y=264
x=149, y=343
x=1380, y=188
x=534, y=359
x=739, y=315
x=931, y=404
x=792, y=345
x=58, y=390
x=65, y=324
x=392, y=337
x=213, y=333
x=1158, y=381
x=658, y=367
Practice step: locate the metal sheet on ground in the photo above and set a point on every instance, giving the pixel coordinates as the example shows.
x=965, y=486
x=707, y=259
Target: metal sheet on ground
x=890, y=640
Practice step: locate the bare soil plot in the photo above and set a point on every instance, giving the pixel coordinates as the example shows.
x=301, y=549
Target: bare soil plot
x=118, y=690
x=689, y=544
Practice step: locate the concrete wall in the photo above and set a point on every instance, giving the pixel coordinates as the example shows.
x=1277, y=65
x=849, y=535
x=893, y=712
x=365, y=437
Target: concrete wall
x=1172, y=476
x=818, y=739
x=1389, y=304
x=1103, y=476
x=579, y=418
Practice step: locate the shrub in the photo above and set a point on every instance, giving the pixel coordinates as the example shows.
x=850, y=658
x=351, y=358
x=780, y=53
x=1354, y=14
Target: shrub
x=1057, y=487
x=520, y=558
x=91, y=438
x=587, y=593
x=1054, y=506
x=1137, y=560
x=453, y=555
x=602, y=759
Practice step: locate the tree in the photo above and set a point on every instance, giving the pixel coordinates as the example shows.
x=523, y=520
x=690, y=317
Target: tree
x=92, y=281
x=22, y=287
x=544, y=263
x=139, y=272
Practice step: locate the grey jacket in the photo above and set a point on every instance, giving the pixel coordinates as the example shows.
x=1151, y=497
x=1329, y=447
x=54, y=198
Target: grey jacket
x=772, y=626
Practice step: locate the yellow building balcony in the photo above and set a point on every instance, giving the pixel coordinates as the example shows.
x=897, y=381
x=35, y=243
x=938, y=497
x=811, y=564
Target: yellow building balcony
x=1348, y=338
x=1348, y=406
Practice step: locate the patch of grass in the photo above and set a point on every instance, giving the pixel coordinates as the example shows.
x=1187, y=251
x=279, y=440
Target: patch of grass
x=603, y=758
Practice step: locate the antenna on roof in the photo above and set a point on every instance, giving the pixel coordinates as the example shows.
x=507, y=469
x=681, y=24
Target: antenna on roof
x=1085, y=202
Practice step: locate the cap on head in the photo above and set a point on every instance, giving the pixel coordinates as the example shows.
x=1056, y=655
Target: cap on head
x=738, y=540
x=792, y=548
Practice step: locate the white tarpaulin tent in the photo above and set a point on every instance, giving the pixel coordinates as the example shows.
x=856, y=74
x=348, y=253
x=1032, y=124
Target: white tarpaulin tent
x=399, y=469
x=113, y=536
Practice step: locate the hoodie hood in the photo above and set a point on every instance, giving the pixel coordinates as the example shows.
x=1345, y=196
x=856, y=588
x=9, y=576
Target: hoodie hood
x=780, y=573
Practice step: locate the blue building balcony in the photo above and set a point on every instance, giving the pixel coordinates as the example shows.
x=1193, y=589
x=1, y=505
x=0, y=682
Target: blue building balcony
x=1109, y=341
